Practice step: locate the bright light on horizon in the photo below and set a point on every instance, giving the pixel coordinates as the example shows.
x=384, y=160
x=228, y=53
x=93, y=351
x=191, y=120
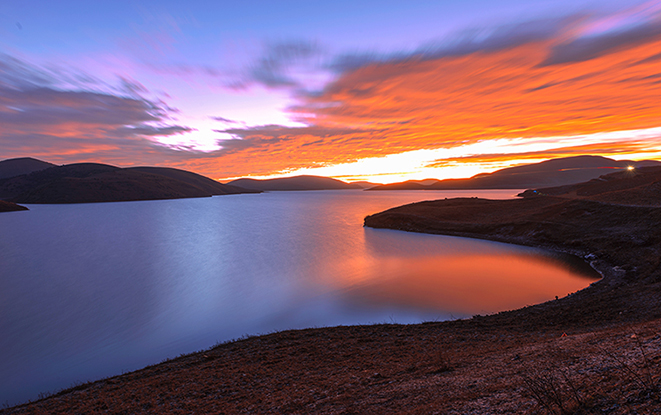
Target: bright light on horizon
x=418, y=164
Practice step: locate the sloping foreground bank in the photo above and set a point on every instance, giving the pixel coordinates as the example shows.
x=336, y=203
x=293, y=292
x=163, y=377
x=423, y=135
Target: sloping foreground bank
x=596, y=351
x=464, y=367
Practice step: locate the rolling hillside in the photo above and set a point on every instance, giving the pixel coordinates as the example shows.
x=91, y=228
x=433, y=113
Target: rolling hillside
x=92, y=182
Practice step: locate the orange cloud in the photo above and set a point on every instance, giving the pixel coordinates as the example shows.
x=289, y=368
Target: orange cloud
x=500, y=94
x=68, y=126
x=389, y=108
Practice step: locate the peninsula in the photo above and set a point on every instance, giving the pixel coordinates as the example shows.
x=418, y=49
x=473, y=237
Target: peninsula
x=10, y=207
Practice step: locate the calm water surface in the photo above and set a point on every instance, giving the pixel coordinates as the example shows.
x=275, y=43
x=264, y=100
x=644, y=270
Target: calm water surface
x=94, y=290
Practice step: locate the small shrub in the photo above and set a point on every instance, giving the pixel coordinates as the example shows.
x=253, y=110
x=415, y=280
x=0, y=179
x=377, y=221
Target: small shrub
x=638, y=372
x=555, y=391
x=441, y=362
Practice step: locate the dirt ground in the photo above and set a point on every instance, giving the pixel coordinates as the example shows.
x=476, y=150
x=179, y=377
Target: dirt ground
x=462, y=367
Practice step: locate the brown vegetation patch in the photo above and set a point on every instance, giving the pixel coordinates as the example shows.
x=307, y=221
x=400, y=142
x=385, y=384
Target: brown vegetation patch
x=457, y=367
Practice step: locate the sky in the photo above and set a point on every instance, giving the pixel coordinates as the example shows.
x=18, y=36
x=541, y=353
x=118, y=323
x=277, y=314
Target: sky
x=358, y=90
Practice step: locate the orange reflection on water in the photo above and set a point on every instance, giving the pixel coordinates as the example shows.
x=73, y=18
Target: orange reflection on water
x=456, y=275
x=470, y=284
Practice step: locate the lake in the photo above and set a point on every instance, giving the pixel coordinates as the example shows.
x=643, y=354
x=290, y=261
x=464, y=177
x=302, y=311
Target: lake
x=94, y=290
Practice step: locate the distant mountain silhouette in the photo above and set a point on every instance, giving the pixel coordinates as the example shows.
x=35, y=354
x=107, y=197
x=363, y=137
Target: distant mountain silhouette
x=407, y=185
x=555, y=172
x=294, y=183
x=364, y=184
x=19, y=166
x=640, y=186
x=92, y=182
x=202, y=182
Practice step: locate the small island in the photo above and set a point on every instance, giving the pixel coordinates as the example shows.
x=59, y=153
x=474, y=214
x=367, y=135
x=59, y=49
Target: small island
x=10, y=207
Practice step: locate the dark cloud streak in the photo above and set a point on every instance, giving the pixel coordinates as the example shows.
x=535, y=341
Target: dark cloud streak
x=38, y=115
x=46, y=106
x=228, y=121
x=464, y=43
x=150, y=131
x=586, y=48
x=273, y=68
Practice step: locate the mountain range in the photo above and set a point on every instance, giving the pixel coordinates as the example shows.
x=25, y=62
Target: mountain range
x=554, y=172
x=640, y=186
x=28, y=180
x=295, y=183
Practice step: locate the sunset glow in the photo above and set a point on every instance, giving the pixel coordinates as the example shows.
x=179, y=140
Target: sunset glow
x=289, y=97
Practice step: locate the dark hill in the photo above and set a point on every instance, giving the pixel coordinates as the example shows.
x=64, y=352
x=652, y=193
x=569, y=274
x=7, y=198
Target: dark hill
x=20, y=166
x=555, y=172
x=364, y=184
x=194, y=179
x=640, y=186
x=294, y=183
x=407, y=185
x=91, y=182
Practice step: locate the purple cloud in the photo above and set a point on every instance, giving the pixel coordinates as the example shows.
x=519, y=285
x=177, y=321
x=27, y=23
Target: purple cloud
x=463, y=43
x=16, y=73
x=150, y=131
x=47, y=106
x=37, y=115
x=228, y=121
x=633, y=27
x=641, y=28
x=273, y=68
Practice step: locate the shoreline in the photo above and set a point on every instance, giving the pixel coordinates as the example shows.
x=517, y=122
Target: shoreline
x=473, y=365
x=625, y=252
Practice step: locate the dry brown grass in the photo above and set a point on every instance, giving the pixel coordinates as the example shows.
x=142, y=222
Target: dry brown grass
x=448, y=368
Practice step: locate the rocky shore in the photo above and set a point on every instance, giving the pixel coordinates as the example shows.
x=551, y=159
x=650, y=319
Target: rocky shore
x=595, y=351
